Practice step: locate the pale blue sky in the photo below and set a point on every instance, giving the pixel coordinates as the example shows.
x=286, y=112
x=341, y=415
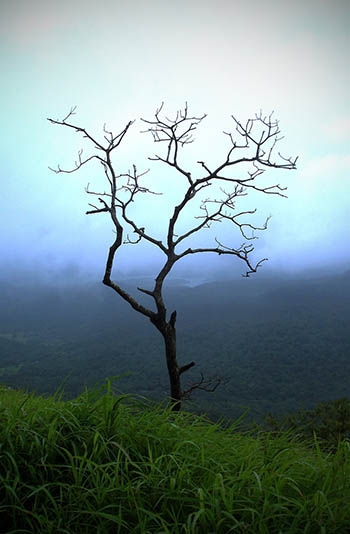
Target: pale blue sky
x=117, y=60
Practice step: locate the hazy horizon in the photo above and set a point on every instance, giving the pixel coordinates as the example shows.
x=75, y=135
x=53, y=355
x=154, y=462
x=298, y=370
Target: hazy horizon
x=117, y=62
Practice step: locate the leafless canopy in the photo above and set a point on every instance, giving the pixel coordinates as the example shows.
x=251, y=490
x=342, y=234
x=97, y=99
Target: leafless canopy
x=176, y=133
x=253, y=143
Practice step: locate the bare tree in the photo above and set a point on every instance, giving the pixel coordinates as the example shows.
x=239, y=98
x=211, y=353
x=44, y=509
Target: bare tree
x=253, y=143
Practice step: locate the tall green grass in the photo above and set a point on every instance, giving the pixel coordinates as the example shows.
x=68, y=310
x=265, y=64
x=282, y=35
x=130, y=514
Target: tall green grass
x=106, y=464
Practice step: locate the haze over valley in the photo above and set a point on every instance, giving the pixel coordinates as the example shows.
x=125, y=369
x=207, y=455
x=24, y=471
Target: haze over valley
x=278, y=343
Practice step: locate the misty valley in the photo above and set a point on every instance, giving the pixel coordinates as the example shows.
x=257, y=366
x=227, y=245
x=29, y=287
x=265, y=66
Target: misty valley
x=278, y=344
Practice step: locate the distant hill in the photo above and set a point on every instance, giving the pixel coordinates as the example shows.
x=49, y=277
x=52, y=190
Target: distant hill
x=283, y=344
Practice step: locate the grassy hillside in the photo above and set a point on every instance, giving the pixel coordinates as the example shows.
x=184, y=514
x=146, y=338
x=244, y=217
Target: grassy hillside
x=102, y=463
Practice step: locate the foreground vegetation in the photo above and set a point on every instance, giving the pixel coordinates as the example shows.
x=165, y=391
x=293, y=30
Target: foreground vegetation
x=106, y=464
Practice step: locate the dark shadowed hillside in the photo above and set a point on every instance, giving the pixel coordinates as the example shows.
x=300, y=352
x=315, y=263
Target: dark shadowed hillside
x=283, y=344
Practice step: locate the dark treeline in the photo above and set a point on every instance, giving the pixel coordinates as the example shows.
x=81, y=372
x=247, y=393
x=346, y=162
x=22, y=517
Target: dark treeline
x=281, y=344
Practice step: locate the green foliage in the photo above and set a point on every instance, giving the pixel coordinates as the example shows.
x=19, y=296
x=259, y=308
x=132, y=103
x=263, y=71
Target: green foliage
x=330, y=421
x=102, y=463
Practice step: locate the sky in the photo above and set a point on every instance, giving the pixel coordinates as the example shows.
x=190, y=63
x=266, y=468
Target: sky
x=117, y=61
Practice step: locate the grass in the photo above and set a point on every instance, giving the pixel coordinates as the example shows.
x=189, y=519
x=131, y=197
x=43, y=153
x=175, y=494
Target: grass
x=106, y=464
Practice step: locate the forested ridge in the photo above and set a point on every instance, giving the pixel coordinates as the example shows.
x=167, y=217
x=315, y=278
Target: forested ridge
x=280, y=344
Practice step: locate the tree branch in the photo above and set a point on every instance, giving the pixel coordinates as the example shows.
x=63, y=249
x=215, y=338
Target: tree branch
x=209, y=385
x=185, y=368
x=176, y=133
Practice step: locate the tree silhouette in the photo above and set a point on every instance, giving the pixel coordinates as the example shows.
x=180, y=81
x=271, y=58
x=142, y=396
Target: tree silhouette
x=253, y=144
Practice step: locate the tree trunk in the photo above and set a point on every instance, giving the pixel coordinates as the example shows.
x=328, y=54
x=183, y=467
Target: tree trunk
x=173, y=367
